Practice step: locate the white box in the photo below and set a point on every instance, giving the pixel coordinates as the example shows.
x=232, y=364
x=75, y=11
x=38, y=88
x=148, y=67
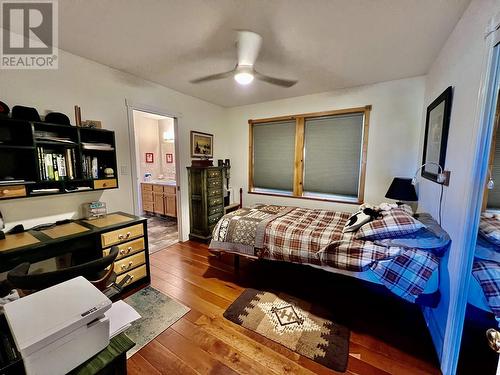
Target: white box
x=58, y=328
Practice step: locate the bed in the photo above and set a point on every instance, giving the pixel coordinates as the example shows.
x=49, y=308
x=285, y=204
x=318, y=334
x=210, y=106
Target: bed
x=484, y=287
x=406, y=264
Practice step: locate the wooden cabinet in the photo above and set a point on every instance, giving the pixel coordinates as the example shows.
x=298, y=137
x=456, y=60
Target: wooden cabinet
x=206, y=202
x=159, y=199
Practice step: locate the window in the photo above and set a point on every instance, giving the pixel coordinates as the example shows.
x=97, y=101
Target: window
x=313, y=156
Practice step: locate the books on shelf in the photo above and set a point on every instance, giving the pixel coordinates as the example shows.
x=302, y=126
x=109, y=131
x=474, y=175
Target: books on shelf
x=97, y=146
x=56, y=166
x=90, y=167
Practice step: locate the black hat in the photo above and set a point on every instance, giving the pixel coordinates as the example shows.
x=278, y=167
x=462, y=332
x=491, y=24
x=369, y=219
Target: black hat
x=57, y=118
x=4, y=109
x=20, y=112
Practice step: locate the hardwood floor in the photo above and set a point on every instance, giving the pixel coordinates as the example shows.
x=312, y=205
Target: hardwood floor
x=388, y=336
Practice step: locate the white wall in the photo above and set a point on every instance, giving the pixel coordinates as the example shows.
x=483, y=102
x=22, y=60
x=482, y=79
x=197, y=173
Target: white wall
x=147, y=140
x=392, y=142
x=459, y=65
x=167, y=147
x=101, y=92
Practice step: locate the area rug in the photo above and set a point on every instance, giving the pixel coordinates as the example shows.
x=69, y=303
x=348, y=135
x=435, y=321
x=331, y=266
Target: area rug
x=158, y=312
x=296, y=324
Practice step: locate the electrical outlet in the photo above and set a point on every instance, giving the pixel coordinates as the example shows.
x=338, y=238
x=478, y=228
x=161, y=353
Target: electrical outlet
x=444, y=178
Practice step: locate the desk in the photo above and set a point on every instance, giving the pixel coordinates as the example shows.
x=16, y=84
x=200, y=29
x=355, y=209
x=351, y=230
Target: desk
x=86, y=240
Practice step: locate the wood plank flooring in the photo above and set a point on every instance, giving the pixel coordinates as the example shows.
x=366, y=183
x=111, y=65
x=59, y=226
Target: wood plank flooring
x=388, y=335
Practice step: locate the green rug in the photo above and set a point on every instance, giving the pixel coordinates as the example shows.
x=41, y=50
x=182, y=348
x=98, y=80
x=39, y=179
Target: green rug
x=158, y=312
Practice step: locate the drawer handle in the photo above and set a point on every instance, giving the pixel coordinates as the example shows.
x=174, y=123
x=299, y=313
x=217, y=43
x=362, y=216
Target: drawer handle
x=130, y=280
x=123, y=251
x=5, y=192
x=121, y=236
x=104, y=184
x=126, y=267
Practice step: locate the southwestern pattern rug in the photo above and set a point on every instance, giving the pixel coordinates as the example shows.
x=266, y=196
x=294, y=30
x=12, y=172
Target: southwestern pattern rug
x=294, y=323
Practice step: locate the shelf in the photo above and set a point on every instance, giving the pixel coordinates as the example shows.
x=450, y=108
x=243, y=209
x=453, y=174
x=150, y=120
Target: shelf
x=14, y=147
x=21, y=158
x=54, y=143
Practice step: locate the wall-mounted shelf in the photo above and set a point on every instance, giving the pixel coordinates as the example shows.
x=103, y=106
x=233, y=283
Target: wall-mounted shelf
x=47, y=156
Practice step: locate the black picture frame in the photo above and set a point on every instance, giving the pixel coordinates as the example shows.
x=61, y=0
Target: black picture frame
x=437, y=125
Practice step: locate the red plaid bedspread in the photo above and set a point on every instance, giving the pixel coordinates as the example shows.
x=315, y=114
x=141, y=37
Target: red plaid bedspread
x=315, y=237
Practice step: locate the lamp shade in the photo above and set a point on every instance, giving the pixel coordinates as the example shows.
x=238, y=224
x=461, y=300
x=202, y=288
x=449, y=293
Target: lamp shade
x=402, y=189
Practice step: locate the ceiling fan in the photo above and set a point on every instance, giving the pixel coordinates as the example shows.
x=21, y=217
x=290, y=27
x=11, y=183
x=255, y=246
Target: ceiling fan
x=248, y=45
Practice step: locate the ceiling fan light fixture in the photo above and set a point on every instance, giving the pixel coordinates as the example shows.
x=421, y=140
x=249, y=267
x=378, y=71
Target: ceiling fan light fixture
x=243, y=78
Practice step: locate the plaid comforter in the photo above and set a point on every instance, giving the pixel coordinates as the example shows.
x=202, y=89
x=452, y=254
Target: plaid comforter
x=487, y=274
x=315, y=237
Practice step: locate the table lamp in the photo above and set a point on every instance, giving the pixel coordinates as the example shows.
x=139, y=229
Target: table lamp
x=402, y=190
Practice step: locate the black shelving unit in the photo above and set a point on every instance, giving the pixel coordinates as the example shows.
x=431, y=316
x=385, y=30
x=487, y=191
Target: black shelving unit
x=23, y=167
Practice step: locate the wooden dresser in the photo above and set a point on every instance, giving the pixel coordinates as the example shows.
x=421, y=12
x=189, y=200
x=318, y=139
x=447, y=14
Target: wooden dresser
x=86, y=240
x=206, y=202
x=159, y=199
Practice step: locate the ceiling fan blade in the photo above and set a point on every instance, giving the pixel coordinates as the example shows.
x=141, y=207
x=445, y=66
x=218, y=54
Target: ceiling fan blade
x=213, y=77
x=248, y=45
x=275, y=81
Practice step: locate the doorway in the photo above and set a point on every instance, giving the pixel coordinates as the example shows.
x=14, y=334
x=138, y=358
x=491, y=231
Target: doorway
x=155, y=176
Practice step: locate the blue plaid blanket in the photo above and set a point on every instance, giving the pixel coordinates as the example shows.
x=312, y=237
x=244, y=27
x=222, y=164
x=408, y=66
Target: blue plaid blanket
x=487, y=274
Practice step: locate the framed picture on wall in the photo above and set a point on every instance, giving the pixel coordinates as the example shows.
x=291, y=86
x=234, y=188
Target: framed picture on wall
x=202, y=145
x=170, y=158
x=437, y=124
x=150, y=157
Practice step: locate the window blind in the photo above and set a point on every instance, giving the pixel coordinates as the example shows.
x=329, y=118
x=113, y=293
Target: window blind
x=332, y=154
x=273, y=155
x=494, y=195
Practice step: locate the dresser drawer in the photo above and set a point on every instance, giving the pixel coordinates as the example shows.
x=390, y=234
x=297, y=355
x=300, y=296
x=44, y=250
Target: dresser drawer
x=169, y=189
x=158, y=188
x=127, y=248
x=214, y=173
x=214, y=192
x=121, y=235
x=147, y=187
x=12, y=191
x=214, y=201
x=105, y=184
x=214, y=183
x=127, y=263
x=215, y=210
x=214, y=219
x=135, y=274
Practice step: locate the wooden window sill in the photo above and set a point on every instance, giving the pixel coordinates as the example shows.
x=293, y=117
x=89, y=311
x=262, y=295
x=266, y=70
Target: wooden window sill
x=312, y=198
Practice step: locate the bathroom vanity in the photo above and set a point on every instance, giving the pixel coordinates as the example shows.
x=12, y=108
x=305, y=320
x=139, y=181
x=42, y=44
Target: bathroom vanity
x=159, y=197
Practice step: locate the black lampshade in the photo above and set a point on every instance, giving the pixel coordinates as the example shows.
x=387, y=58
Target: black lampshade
x=401, y=189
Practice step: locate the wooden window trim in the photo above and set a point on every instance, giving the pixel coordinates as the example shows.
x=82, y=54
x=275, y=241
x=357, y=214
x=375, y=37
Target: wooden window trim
x=298, y=173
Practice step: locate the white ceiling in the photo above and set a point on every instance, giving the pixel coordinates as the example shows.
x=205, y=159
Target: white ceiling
x=325, y=44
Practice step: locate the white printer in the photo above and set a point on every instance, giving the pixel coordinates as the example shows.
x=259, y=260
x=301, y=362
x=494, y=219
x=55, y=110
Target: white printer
x=58, y=328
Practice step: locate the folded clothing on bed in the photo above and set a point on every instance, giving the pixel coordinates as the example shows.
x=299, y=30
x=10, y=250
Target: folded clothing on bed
x=315, y=237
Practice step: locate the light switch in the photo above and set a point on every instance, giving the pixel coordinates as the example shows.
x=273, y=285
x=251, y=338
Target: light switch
x=124, y=170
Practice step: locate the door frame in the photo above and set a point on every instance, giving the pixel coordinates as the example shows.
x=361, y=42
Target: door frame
x=484, y=118
x=131, y=107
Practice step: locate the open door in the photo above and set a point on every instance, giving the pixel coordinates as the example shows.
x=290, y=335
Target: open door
x=480, y=347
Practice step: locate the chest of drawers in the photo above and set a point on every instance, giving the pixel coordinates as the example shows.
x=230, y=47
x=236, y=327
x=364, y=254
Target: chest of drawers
x=206, y=200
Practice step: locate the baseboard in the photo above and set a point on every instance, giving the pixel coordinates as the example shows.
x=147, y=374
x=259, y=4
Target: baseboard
x=436, y=334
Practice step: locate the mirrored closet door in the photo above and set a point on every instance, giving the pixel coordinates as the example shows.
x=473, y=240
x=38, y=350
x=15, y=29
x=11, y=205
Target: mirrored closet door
x=480, y=347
